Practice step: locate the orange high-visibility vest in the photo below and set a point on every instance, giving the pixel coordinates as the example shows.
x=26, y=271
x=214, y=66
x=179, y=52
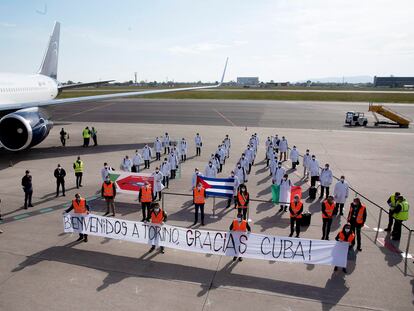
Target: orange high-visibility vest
x=329, y=208
x=239, y=226
x=199, y=196
x=157, y=218
x=360, y=215
x=108, y=189
x=242, y=200
x=79, y=208
x=342, y=238
x=295, y=209
x=146, y=195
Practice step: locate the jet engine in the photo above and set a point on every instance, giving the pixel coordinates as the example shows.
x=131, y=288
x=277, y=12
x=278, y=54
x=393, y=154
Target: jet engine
x=24, y=128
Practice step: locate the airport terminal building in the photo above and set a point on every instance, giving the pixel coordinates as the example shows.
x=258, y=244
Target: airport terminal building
x=248, y=80
x=393, y=81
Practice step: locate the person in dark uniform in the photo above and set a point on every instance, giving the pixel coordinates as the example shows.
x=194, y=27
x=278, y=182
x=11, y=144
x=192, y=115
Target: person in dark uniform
x=28, y=189
x=357, y=217
x=60, y=174
x=63, y=136
x=401, y=213
x=392, y=202
x=157, y=216
x=79, y=206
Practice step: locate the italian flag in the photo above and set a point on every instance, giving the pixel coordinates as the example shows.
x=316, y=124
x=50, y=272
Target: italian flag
x=283, y=197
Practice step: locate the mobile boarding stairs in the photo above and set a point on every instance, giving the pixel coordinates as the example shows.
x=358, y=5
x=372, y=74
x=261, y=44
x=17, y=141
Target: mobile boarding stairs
x=397, y=118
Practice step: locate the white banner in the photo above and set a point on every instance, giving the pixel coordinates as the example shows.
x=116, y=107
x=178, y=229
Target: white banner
x=248, y=245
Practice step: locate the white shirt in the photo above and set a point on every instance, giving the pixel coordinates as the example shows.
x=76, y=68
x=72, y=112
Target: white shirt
x=314, y=167
x=166, y=141
x=294, y=155
x=165, y=169
x=157, y=145
x=306, y=160
x=173, y=159
x=198, y=141
x=183, y=147
x=278, y=175
x=137, y=159
x=194, y=179
x=126, y=165
x=105, y=172
x=210, y=171
x=283, y=145
x=146, y=153
x=326, y=177
x=341, y=192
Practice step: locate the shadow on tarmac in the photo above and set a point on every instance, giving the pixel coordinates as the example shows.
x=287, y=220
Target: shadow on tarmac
x=119, y=268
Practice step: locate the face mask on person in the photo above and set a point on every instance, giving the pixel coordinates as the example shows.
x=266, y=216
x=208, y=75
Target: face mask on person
x=347, y=230
x=239, y=166
x=156, y=171
x=210, y=164
x=243, y=189
x=342, y=180
x=279, y=166
x=157, y=209
x=108, y=180
x=232, y=174
x=239, y=219
x=307, y=153
x=284, y=178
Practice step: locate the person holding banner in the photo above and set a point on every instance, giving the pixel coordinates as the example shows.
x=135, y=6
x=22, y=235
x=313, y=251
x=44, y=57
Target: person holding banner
x=328, y=207
x=346, y=235
x=284, y=194
x=79, y=206
x=157, y=216
x=239, y=225
x=145, y=197
x=108, y=192
x=243, y=201
x=199, y=200
x=296, y=210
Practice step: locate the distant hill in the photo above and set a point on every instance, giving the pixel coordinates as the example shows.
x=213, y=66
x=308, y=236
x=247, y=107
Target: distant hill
x=351, y=79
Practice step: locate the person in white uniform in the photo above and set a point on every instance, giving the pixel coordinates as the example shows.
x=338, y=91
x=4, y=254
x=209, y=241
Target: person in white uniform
x=326, y=179
x=241, y=173
x=173, y=160
x=278, y=174
x=166, y=172
x=276, y=142
x=284, y=197
x=105, y=171
x=245, y=163
x=306, y=164
x=210, y=171
x=314, y=170
x=146, y=155
x=126, y=164
x=274, y=161
x=183, y=149
x=283, y=148
x=194, y=177
x=227, y=142
x=235, y=190
x=157, y=149
x=137, y=161
x=158, y=186
x=198, y=141
x=294, y=157
x=341, y=191
x=166, y=143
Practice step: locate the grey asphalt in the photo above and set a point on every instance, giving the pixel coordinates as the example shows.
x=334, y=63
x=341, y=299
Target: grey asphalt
x=277, y=114
x=43, y=269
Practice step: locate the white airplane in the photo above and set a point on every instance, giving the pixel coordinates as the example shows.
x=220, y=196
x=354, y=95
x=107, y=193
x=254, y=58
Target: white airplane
x=24, y=121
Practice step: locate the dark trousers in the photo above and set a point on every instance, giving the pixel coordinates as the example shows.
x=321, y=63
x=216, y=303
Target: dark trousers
x=250, y=168
x=28, y=198
x=390, y=220
x=198, y=151
x=396, y=231
x=326, y=228
x=201, y=208
x=183, y=157
x=63, y=141
x=314, y=179
x=357, y=230
x=58, y=184
x=86, y=142
x=234, y=200
x=95, y=140
x=242, y=211
x=339, y=207
x=293, y=221
x=166, y=181
x=78, y=179
x=267, y=162
x=83, y=236
x=158, y=156
x=323, y=188
x=166, y=149
x=173, y=174
x=283, y=155
x=146, y=164
x=294, y=165
x=221, y=167
x=145, y=206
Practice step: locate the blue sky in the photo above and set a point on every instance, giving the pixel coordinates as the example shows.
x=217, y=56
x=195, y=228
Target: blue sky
x=183, y=40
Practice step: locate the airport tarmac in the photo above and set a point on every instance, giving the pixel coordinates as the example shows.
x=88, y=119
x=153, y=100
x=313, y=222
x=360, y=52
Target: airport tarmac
x=41, y=268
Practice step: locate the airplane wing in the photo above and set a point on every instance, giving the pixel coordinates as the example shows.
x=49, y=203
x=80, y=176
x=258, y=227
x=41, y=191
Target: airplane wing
x=76, y=85
x=64, y=101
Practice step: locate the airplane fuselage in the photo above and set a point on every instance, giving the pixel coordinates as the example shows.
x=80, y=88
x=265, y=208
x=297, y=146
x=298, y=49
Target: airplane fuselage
x=21, y=88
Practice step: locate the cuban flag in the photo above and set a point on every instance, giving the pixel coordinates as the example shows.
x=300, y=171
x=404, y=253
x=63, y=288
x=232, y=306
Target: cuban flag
x=217, y=187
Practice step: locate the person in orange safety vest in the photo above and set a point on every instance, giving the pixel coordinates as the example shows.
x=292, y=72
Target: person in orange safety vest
x=357, y=217
x=242, y=201
x=296, y=210
x=79, y=206
x=199, y=200
x=108, y=192
x=239, y=225
x=157, y=216
x=328, y=207
x=348, y=236
x=146, y=197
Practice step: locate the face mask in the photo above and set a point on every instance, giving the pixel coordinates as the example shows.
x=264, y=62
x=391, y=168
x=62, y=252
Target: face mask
x=342, y=180
x=279, y=166
x=284, y=178
x=239, y=166
x=242, y=157
x=156, y=171
x=346, y=230
x=307, y=153
x=232, y=175
x=210, y=165
x=239, y=219
x=243, y=189
x=156, y=210
x=106, y=167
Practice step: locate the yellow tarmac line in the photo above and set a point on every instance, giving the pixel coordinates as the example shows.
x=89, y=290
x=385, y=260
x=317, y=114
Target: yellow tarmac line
x=224, y=117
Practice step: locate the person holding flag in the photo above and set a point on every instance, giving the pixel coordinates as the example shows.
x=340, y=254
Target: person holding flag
x=81, y=207
x=284, y=197
x=239, y=225
x=296, y=210
x=243, y=201
x=235, y=188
